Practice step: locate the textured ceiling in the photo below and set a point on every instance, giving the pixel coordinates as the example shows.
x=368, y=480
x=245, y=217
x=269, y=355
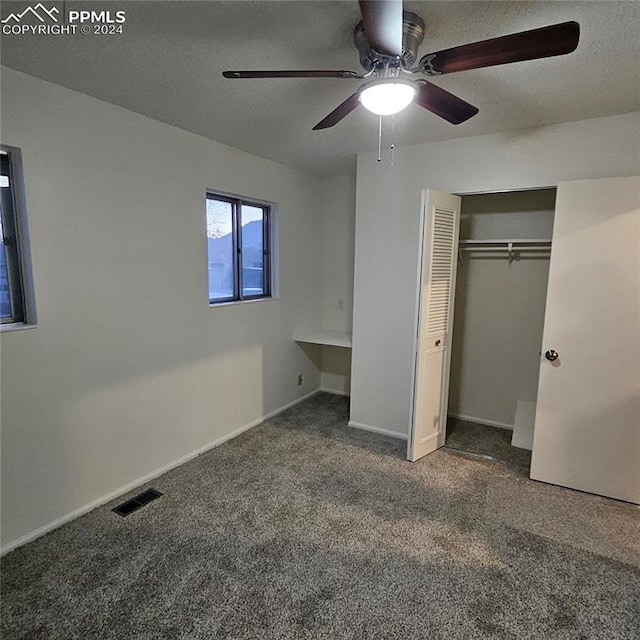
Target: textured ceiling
x=168, y=64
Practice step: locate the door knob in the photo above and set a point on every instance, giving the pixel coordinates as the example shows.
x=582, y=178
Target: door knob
x=551, y=355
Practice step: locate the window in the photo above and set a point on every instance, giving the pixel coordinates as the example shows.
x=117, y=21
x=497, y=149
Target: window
x=15, y=304
x=239, y=249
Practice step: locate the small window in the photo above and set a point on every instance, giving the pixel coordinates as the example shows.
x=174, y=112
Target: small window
x=239, y=249
x=15, y=302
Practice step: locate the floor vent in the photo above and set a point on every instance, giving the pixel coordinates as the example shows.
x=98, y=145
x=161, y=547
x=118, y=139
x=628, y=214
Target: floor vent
x=137, y=502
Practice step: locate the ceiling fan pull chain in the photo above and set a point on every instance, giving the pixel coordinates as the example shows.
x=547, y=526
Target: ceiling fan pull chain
x=392, y=146
x=379, y=138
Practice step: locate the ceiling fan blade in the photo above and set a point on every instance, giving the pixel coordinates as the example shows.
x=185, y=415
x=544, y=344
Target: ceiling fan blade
x=383, y=25
x=444, y=104
x=555, y=40
x=312, y=73
x=339, y=112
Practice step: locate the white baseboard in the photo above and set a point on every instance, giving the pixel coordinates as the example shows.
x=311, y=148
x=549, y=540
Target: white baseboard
x=384, y=432
x=335, y=392
x=112, y=495
x=488, y=423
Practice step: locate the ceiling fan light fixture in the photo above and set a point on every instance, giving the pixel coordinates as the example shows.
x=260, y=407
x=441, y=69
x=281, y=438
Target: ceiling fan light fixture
x=388, y=96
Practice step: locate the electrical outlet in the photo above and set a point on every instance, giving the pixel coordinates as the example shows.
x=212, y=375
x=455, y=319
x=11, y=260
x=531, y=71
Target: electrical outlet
x=340, y=304
x=300, y=380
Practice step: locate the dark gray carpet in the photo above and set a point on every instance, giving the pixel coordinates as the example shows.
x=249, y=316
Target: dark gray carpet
x=489, y=442
x=304, y=528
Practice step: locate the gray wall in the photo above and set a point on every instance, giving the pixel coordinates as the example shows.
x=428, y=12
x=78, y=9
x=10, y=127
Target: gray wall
x=388, y=210
x=338, y=230
x=129, y=369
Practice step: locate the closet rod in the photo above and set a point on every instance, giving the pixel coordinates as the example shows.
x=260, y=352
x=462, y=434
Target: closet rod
x=510, y=245
x=506, y=242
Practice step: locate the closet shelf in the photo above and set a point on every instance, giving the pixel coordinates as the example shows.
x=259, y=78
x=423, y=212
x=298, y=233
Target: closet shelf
x=510, y=245
x=327, y=337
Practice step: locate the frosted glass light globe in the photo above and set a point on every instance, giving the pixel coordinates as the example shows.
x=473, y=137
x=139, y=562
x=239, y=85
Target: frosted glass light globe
x=388, y=97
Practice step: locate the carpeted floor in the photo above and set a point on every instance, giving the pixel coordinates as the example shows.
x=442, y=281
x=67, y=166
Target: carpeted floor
x=304, y=528
x=488, y=442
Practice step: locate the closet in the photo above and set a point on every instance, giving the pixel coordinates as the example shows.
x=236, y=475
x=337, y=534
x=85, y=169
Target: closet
x=543, y=343
x=503, y=267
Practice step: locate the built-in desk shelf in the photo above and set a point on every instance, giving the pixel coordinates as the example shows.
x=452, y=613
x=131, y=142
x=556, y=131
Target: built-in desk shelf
x=328, y=337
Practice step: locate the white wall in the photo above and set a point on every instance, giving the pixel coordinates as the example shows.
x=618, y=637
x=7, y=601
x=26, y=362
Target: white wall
x=499, y=308
x=387, y=230
x=129, y=368
x=338, y=230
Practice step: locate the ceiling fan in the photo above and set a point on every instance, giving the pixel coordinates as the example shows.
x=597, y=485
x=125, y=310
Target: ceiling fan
x=388, y=39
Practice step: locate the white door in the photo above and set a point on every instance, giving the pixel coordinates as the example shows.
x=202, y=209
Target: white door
x=587, y=429
x=441, y=223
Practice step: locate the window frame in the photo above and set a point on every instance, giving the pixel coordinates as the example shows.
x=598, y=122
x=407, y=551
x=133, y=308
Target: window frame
x=237, y=202
x=16, y=245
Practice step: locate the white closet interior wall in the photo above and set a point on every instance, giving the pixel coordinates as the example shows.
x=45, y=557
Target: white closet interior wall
x=499, y=308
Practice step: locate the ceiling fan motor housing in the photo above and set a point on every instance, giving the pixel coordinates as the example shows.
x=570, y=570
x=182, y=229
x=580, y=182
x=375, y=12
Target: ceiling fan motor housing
x=412, y=36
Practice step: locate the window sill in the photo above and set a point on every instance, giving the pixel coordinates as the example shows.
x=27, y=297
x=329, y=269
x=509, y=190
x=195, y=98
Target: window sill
x=231, y=303
x=16, y=326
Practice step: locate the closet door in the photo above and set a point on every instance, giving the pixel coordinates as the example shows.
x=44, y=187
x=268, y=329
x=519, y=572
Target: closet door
x=587, y=428
x=441, y=225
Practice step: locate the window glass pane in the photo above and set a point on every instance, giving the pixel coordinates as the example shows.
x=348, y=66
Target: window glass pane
x=5, y=295
x=6, y=206
x=12, y=307
x=220, y=248
x=252, y=251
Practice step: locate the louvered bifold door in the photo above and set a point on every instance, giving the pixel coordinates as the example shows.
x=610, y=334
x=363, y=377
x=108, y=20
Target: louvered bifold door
x=435, y=323
x=442, y=252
